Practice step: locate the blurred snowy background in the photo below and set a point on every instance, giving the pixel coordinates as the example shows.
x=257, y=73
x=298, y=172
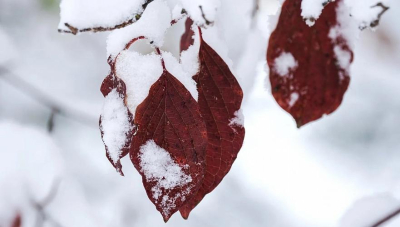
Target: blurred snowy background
x=343, y=170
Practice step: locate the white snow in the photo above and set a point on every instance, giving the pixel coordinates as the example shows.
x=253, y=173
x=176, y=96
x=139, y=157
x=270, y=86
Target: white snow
x=177, y=12
x=209, y=7
x=188, y=65
x=178, y=70
x=238, y=120
x=285, y=63
x=347, y=29
x=115, y=124
x=311, y=10
x=138, y=72
x=158, y=166
x=293, y=99
x=364, y=11
x=97, y=13
x=153, y=25
x=343, y=57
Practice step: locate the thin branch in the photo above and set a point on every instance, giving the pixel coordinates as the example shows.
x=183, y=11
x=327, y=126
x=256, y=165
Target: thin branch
x=40, y=206
x=256, y=8
x=384, y=9
x=387, y=218
x=204, y=17
x=20, y=84
x=50, y=122
x=74, y=30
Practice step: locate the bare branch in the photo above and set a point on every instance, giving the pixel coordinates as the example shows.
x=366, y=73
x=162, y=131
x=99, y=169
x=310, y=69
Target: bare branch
x=40, y=206
x=387, y=218
x=204, y=17
x=256, y=8
x=74, y=30
x=384, y=9
x=17, y=82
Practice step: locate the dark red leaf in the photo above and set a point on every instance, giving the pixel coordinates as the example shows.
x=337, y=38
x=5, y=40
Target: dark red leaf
x=220, y=98
x=187, y=37
x=112, y=82
x=170, y=118
x=17, y=222
x=316, y=85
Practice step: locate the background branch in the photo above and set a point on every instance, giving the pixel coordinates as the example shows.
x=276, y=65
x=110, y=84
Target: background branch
x=23, y=86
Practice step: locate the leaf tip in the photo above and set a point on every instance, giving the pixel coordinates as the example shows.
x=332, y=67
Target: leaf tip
x=166, y=217
x=185, y=212
x=299, y=123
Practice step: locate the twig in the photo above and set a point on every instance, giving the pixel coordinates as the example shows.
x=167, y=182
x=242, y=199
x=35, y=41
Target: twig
x=74, y=30
x=384, y=9
x=16, y=81
x=256, y=8
x=387, y=218
x=204, y=17
x=50, y=122
x=40, y=206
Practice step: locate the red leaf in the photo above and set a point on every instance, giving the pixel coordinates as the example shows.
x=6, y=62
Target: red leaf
x=169, y=122
x=187, y=37
x=220, y=98
x=17, y=222
x=316, y=84
x=110, y=83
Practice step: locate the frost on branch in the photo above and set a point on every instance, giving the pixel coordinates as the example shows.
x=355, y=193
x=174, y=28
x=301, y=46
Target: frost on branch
x=313, y=82
x=220, y=98
x=169, y=118
x=99, y=15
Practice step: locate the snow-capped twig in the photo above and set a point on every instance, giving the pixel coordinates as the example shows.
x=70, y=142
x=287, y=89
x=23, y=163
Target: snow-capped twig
x=73, y=30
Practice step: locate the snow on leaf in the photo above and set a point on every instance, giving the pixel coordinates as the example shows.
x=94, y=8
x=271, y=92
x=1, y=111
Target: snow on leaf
x=311, y=10
x=285, y=63
x=138, y=72
x=116, y=122
x=158, y=167
x=317, y=85
x=170, y=119
x=220, y=98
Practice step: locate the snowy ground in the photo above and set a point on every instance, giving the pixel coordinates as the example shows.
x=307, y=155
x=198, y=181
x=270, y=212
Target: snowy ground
x=282, y=177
